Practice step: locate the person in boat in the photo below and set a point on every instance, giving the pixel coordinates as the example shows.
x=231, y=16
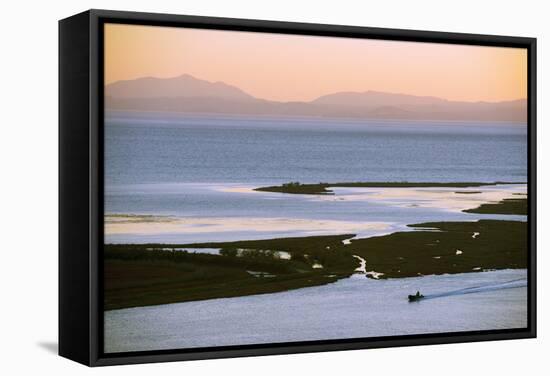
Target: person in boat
x=416, y=296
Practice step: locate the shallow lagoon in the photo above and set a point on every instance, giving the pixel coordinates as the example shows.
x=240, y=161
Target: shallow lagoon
x=226, y=212
x=354, y=307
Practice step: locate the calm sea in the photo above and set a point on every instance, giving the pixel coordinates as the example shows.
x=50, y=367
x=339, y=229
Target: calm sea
x=161, y=148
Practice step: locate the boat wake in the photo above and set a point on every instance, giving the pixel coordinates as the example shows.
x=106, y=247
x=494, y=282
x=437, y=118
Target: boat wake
x=516, y=283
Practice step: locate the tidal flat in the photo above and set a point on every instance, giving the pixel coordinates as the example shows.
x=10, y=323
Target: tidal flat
x=150, y=274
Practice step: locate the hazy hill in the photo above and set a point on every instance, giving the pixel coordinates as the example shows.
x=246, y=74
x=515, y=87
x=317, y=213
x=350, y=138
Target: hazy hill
x=184, y=86
x=188, y=94
x=376, y=99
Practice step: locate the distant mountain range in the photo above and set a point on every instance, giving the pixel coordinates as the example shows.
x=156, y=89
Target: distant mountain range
x=186, y=93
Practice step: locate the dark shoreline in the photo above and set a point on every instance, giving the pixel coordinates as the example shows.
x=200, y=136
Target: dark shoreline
x=323, y=188
x=513, y=206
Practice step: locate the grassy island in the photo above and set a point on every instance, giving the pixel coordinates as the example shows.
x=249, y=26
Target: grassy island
x=298, y=188
x=149, y=274
x=516, y=206
x=323, y=188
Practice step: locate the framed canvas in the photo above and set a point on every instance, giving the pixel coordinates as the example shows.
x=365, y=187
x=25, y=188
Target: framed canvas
x=235, y=187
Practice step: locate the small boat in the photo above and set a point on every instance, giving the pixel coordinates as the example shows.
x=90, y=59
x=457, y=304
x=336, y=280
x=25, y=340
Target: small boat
x=416, y=297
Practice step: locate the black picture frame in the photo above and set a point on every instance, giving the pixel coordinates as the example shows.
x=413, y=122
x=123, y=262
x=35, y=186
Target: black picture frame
x=81, y=185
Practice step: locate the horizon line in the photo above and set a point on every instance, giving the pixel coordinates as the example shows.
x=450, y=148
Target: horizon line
x=320, y=96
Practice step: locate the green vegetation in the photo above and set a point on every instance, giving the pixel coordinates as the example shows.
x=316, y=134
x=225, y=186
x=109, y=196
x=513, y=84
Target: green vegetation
x=298, y=188
x=516, y=206
x=139, y=275
x=322, y=188
x=467, y=192
x=447, y=247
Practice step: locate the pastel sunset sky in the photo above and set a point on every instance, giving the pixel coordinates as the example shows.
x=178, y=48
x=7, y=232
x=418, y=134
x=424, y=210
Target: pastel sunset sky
x=302, y=68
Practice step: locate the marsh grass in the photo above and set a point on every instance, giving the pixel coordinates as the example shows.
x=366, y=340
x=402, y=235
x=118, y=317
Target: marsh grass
x=323, y=188
x=517, y=206
x=141, y=275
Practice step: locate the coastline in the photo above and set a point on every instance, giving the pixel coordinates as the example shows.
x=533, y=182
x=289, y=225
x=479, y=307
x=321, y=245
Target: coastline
x=244, y=214
x=159, y=274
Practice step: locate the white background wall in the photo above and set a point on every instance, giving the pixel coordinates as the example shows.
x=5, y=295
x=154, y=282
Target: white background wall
x=28, y=163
